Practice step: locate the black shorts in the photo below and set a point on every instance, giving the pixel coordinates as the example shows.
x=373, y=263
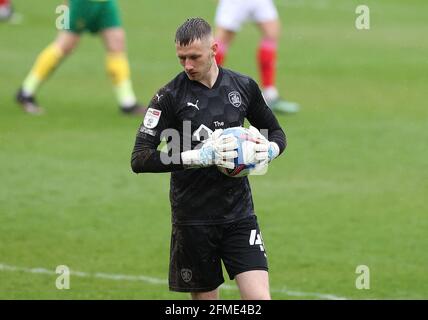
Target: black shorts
x=197, y=252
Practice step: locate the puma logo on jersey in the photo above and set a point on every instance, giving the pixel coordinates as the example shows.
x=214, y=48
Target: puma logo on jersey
x=159, y=96
x=189, y=104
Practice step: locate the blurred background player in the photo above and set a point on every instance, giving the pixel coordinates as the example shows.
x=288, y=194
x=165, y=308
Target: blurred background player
x=229, y=17
x=98, y=17
x=6, y=10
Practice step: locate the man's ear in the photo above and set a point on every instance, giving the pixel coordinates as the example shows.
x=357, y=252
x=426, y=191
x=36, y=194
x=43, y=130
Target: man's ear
x=214, y=48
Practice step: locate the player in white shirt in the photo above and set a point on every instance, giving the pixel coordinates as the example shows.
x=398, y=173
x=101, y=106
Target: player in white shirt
x=230, y=16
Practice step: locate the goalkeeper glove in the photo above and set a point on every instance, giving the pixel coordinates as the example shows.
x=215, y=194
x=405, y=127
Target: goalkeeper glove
x=265, y=150
x=217, y=150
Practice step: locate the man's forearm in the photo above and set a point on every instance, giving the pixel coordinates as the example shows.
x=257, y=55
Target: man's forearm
x=278, y=136
x=151, y=160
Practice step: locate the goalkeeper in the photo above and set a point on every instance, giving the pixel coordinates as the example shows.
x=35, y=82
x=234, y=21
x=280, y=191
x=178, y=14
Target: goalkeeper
x=98, y=17
x=213, y=216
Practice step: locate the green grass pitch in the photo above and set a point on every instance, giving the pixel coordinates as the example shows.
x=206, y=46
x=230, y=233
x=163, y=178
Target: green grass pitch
x=350, y=190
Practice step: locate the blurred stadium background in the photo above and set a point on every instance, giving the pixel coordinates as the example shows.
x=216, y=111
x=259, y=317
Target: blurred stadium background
x=351, y=189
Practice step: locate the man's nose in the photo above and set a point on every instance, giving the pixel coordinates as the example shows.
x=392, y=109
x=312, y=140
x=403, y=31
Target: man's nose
x=188, y=65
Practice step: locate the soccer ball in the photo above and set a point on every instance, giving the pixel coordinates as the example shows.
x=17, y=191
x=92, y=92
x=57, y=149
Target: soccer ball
x=245, y=162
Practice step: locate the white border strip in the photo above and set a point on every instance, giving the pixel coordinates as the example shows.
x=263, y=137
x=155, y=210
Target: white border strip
x=151, y=280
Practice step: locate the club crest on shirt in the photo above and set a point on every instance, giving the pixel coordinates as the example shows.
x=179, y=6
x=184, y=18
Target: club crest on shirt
x=235, y=98
x=152, y=117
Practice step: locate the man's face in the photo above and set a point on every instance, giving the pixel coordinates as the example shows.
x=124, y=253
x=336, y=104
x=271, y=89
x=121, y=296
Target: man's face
x=197, y=58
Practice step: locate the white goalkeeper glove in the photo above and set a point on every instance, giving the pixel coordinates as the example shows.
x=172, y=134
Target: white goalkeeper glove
x=217, y=150
x=265, y=150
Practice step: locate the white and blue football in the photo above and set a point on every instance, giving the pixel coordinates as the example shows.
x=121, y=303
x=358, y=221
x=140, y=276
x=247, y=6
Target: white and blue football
x=245, y=162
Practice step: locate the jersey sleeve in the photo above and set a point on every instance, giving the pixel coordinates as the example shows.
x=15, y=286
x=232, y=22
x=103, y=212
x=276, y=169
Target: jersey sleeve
x=262, y=117
x=159, y=117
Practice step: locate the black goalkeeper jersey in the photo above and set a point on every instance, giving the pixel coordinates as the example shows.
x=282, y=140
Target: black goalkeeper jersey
x=186, y=112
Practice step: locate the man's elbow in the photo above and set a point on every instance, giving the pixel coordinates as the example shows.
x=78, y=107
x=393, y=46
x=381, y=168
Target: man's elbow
x=142, y=160
x=285, y=144
x=135, y=167
x=137, y=164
